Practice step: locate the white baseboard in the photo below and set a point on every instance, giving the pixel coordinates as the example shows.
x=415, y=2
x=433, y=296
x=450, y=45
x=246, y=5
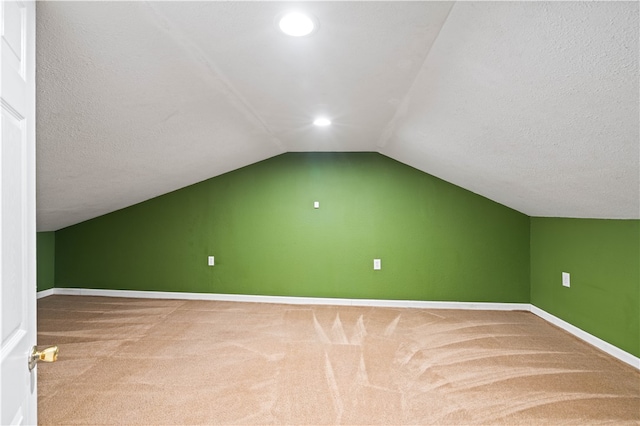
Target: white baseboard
x=612, y=350
x=289, y=300
x=45, y=293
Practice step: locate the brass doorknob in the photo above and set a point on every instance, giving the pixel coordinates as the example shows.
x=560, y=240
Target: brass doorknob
x=47, y=355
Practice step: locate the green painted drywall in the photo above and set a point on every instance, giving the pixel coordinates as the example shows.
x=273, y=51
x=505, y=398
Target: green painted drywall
x=603, y=258
x=436, y=241
x=46, y=252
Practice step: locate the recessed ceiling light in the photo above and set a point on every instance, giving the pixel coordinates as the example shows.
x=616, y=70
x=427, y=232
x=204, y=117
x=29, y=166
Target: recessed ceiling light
x=322, y=122
x=296, y=24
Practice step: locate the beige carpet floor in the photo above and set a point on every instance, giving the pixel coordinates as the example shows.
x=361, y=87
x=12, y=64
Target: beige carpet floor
x=141, y=361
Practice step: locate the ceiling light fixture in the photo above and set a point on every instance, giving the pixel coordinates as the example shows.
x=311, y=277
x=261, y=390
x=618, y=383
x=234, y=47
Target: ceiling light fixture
x=322, y=122
x=297, y=24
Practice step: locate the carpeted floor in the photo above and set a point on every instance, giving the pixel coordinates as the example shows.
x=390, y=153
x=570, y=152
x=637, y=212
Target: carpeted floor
x=141, y=361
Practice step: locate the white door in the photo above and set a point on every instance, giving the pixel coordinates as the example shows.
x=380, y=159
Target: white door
x=18, y=393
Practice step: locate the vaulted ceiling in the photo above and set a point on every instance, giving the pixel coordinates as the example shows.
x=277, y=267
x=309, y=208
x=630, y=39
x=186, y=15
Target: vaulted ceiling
x=534, y=105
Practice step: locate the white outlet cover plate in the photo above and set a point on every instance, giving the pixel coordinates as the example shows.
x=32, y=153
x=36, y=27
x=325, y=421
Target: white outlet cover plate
x=566, y=279
x=211, y=261
x=377, y=264
x=316, y=204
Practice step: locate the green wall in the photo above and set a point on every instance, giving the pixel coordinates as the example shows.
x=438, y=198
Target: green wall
x=46, y=253
x=436, y=241
x=603, y=258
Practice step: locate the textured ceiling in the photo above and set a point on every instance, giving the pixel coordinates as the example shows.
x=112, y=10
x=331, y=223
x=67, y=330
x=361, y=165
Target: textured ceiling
x=533, y=105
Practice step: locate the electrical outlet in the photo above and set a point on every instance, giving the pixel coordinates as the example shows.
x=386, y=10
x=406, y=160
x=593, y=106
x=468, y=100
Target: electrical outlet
x=316, y=204
x=377, y=264
x=211, y=261
x=566, y=279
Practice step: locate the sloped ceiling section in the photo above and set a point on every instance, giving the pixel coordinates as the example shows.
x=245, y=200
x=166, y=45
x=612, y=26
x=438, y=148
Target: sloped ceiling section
x=533, y=105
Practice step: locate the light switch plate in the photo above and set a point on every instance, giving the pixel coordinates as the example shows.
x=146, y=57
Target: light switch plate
x=566, y=279
x=316, y=204
x=211, y=261
x=377, y=264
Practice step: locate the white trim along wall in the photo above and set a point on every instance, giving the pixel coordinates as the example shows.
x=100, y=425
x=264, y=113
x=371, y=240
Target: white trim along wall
x=45, y=293
x=487, y=306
